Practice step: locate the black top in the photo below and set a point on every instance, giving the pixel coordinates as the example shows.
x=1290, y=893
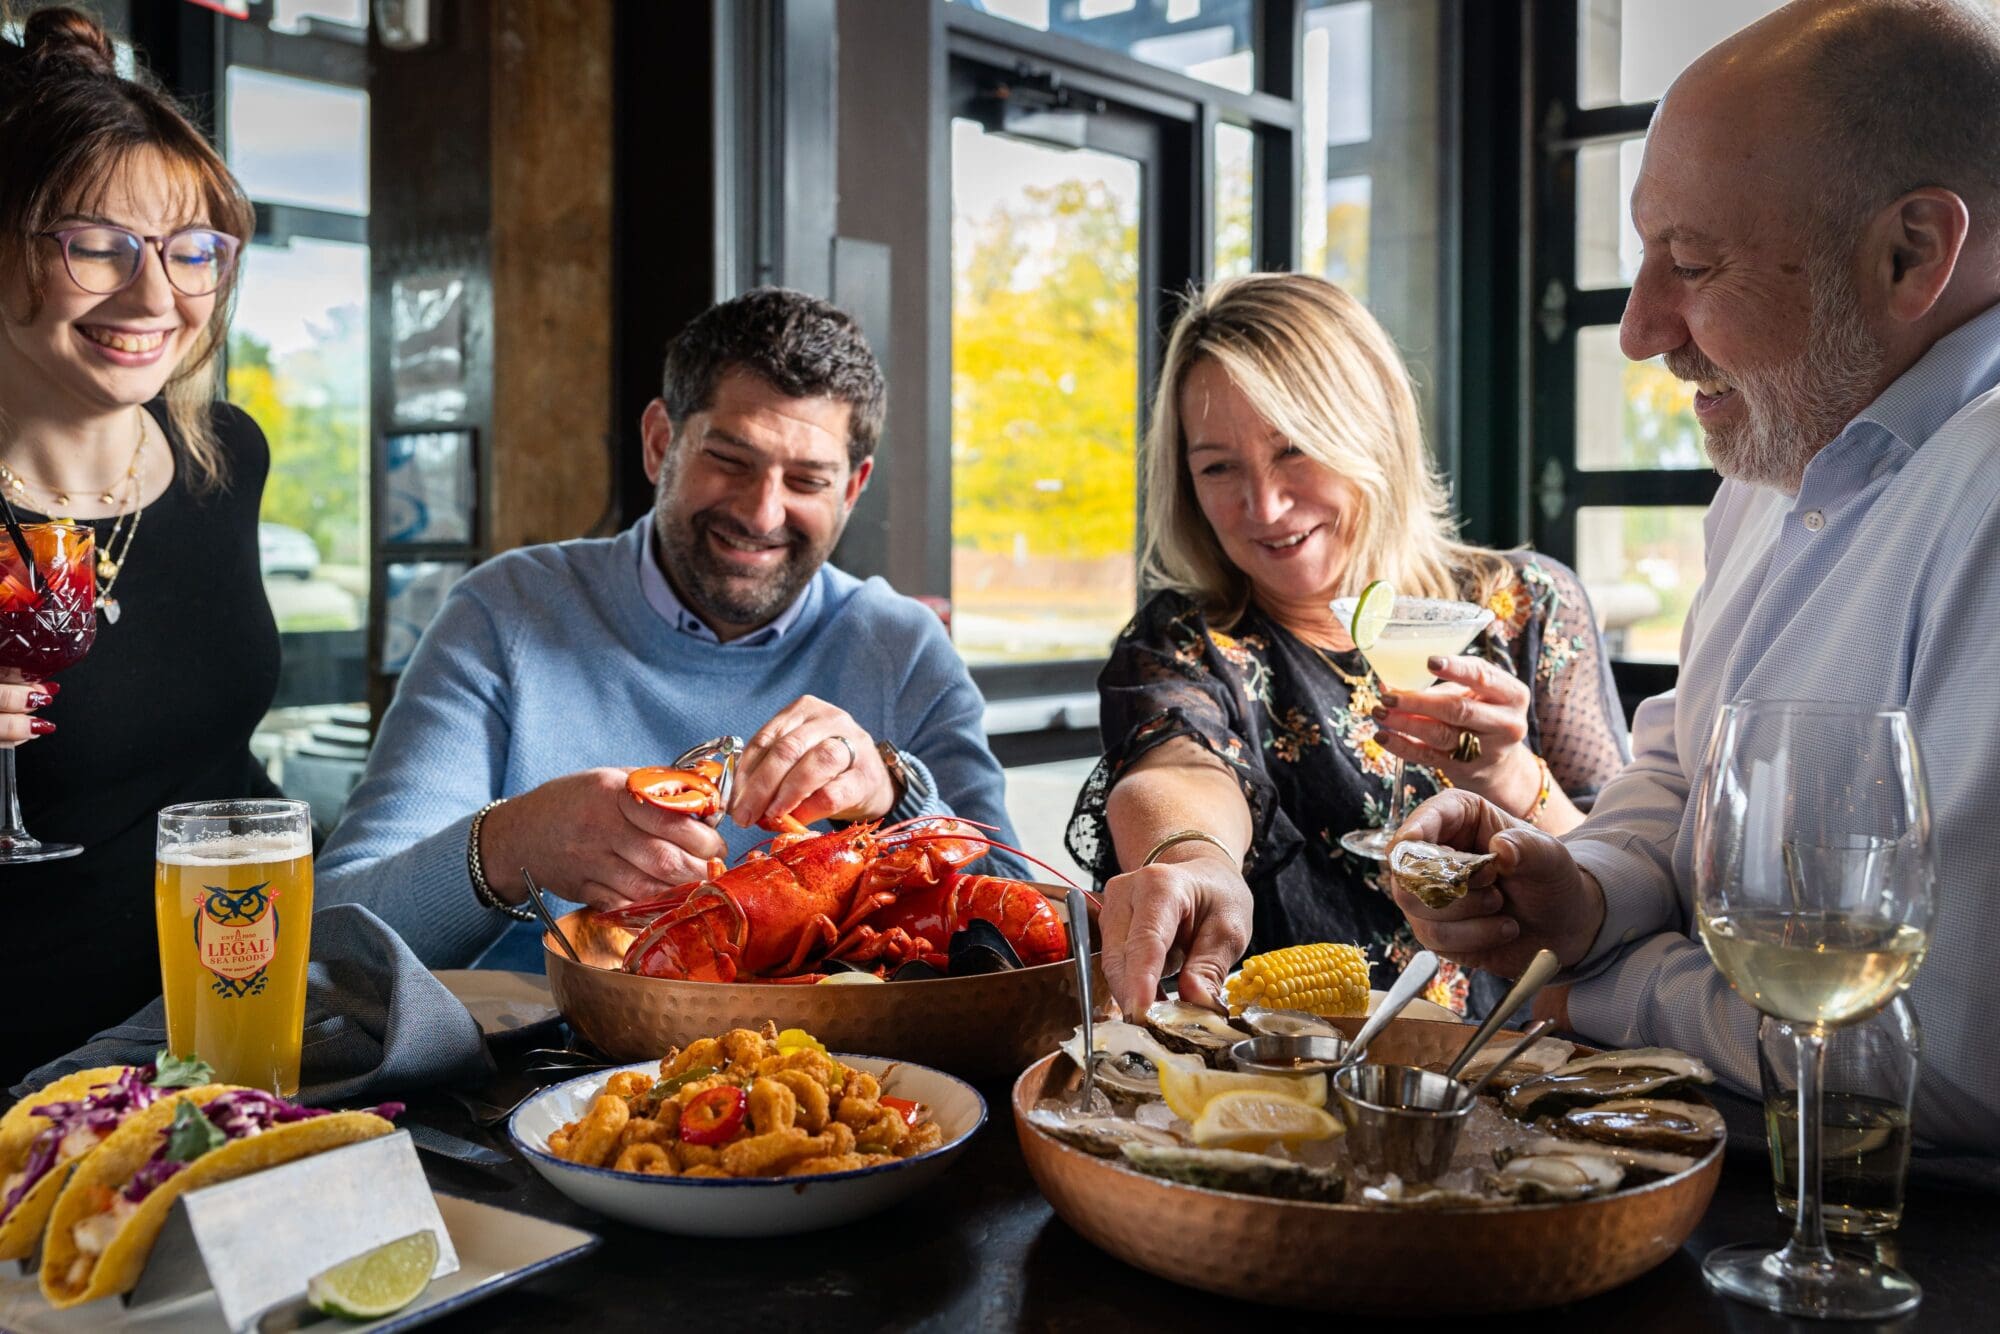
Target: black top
x=159, y=711
x=1294, y=725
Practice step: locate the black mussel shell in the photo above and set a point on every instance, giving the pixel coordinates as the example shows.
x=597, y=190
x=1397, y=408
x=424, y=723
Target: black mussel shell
x=914, y=970
x=981, y=934
x=973, y=960
x=841, y=966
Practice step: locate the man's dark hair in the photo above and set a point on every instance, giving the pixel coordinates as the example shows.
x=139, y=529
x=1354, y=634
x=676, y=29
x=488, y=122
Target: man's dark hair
x=798, y=344
x=1906, y=94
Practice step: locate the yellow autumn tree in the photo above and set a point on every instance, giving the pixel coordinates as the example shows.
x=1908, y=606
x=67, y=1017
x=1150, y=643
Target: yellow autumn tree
x=1045, y=377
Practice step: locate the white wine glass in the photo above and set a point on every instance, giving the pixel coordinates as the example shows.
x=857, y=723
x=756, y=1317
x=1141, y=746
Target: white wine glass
x=1814, y=894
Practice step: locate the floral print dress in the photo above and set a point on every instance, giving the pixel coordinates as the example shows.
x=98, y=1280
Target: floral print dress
x=1294, y=726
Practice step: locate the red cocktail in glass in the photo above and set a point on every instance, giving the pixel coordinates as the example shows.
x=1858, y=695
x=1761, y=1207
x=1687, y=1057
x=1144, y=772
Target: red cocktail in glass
x=48, y=619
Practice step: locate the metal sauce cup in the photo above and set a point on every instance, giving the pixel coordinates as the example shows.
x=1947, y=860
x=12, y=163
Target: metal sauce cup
x=1298, y=1055
x=1401, y=1119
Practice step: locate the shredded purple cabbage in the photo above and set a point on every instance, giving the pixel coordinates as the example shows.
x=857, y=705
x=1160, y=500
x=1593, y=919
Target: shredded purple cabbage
x=104, y=1109
x=238, y=1114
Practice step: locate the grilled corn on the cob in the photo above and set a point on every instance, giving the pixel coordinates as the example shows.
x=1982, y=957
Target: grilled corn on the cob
x=1320, y=979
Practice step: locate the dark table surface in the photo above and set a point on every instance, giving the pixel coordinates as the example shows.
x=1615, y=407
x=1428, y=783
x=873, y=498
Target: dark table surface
x=980, y=1249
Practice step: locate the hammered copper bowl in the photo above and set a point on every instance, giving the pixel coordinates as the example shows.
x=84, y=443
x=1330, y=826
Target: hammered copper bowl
x=1355, y=1258
x=983, y=1027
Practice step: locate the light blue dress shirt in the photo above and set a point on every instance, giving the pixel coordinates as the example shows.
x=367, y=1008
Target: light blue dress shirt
x=1878, y=583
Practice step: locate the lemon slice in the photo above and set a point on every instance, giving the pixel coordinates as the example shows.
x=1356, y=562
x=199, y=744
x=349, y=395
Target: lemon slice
x=1189, y=1091
x=1251, y=1119
x=375, y=1283
x=1371, y=612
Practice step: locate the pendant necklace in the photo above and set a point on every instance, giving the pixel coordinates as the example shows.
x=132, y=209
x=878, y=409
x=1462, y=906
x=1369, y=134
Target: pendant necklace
x=124, y=524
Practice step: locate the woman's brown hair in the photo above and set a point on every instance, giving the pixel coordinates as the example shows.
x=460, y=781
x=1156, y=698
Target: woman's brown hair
x=69, y=122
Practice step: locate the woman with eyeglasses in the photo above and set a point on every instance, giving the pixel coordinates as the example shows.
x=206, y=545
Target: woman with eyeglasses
x=119, y=233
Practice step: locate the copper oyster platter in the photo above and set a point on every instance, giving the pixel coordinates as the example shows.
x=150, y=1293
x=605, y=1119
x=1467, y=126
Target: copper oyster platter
x=1356, y=1257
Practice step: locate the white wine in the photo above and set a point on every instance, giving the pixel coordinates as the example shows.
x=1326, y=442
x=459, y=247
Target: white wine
x=1864, y=1154
x=1814, y=967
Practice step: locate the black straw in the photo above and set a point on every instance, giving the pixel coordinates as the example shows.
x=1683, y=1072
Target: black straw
x=21, y=543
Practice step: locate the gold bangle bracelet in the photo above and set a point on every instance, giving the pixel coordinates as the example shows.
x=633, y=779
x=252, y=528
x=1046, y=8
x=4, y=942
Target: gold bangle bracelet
x=1186, y=836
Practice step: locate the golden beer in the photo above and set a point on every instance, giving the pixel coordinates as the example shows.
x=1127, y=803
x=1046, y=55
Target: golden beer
x=233, y=901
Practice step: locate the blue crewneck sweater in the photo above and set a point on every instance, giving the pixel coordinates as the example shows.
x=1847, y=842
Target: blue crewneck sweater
x=548, y=660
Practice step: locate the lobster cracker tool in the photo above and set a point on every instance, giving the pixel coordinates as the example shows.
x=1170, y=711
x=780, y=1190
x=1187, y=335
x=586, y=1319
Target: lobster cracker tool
x=724, y=751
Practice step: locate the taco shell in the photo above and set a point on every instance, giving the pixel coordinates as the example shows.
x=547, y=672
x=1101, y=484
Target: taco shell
x=68, y=1277
x=21, y=1229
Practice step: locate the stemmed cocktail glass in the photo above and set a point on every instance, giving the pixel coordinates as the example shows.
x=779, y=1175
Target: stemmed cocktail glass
x=48, y=618
x=1814, y=894
x=1418, y=629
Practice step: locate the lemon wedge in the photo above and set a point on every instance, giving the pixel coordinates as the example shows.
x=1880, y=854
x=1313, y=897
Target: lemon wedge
x=1189, y=1091
x=1372, y=611
x=378, y=1282
x=1252, y=1119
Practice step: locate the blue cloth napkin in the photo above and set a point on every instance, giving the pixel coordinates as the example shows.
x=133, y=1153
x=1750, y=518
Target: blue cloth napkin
x=378, y=1024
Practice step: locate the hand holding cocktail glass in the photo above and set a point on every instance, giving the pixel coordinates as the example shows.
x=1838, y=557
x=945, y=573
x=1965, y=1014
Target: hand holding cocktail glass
x=48, y=620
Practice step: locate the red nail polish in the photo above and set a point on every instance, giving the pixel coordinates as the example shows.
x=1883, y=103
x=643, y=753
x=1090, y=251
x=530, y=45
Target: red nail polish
x=52, y=687
x=40, y=726
x=38, y=698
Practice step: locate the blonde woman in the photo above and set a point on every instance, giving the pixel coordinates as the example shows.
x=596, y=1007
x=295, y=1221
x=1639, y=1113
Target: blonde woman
x=1243, y=733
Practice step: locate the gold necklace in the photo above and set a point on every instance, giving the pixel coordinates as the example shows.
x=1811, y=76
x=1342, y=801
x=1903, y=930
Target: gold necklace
x=124, y=524
x=1365, y=694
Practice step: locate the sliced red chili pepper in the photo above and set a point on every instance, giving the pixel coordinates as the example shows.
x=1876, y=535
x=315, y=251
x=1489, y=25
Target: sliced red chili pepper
x=912, y=1112
x=713, y=1115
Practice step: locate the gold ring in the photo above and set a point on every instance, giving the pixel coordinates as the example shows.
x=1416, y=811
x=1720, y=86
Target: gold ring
x=1467, y=749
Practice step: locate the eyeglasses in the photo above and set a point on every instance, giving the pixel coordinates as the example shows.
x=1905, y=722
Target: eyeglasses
x=103, y=259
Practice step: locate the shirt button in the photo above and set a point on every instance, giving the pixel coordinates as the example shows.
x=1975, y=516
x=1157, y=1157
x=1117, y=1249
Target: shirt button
x=1630, y=936
x=1813, y=520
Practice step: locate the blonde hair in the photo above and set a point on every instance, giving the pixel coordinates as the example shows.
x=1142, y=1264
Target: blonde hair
x=1315, y=365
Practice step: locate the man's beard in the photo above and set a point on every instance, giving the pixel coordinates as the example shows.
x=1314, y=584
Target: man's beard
x=1796, y=408
x=722, y=592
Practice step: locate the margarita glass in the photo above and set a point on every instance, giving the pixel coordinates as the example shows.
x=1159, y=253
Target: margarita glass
x=1418, y=629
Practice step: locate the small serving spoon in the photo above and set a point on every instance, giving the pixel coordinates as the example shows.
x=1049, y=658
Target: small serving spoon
x=1416, y=976
x=1539, y=970
x=1529, y=1037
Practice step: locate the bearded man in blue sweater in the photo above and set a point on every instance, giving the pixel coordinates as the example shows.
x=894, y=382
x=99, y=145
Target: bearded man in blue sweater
x=552, y=671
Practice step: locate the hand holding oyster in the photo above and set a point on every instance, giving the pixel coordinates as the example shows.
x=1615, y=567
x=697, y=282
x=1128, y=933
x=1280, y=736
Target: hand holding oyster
x=1435, y=874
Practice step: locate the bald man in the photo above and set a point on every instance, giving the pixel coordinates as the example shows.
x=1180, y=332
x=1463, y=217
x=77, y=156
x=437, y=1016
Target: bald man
x=1820, y=208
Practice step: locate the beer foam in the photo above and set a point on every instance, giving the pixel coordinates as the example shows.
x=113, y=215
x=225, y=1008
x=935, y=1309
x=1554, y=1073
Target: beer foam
x=235, y=848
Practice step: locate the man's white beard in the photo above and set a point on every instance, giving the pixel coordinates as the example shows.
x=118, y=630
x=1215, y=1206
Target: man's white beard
x=1796, y=408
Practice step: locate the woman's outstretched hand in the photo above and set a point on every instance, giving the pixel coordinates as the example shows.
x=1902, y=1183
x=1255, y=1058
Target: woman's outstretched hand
x=1191, y=904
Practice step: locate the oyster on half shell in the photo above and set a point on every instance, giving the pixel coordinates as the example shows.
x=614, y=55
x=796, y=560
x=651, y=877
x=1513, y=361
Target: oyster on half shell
x=1647, y=1123
x=1434, y=873
x=1546, y=1178
x=1244, y=1173
x=1128, y=1059
x=1607, y=1075
x=1184, y=1027
x=1542, y=1056
x=1094, y=1133
x=1267, y=1023
x=1639, y=1164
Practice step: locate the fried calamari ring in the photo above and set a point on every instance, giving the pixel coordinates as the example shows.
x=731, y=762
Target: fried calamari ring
x=769, y=1154
x=744, y=1048
x=628, y=1084
x=597, y=1138
x=815, y=1108
x=700, y=1052
x=647, y=1159
x=772, y=1106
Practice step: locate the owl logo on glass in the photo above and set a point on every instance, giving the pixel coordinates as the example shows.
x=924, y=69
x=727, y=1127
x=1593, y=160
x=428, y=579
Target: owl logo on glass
x=236, y=937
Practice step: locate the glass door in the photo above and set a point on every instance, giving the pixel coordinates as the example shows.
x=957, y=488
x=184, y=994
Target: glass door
x=1063, y=268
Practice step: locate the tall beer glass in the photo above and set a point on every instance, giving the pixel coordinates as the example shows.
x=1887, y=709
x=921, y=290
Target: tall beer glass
x=233, y=900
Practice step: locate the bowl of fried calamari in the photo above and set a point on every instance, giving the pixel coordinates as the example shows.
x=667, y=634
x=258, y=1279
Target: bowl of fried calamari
x=755, y=1133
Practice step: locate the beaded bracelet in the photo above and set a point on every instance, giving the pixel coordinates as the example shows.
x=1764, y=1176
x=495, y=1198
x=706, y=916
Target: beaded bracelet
x=1534, y=815
x=480, y=889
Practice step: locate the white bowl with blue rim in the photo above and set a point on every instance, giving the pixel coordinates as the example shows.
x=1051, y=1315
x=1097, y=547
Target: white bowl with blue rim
x=749, y=1206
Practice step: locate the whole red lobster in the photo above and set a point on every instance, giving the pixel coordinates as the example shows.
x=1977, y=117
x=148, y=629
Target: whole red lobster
x=867, y=894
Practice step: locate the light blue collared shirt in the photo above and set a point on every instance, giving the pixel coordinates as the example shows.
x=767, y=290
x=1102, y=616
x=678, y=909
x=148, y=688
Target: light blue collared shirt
x=1878, y=583
x=660, y=596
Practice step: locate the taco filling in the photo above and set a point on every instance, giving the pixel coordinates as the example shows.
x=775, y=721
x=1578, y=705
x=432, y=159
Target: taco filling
x=80, y=1125
x=239, y=1114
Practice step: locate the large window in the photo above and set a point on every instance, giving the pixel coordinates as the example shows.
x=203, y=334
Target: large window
x=1619, y=469
x=1105, y=156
